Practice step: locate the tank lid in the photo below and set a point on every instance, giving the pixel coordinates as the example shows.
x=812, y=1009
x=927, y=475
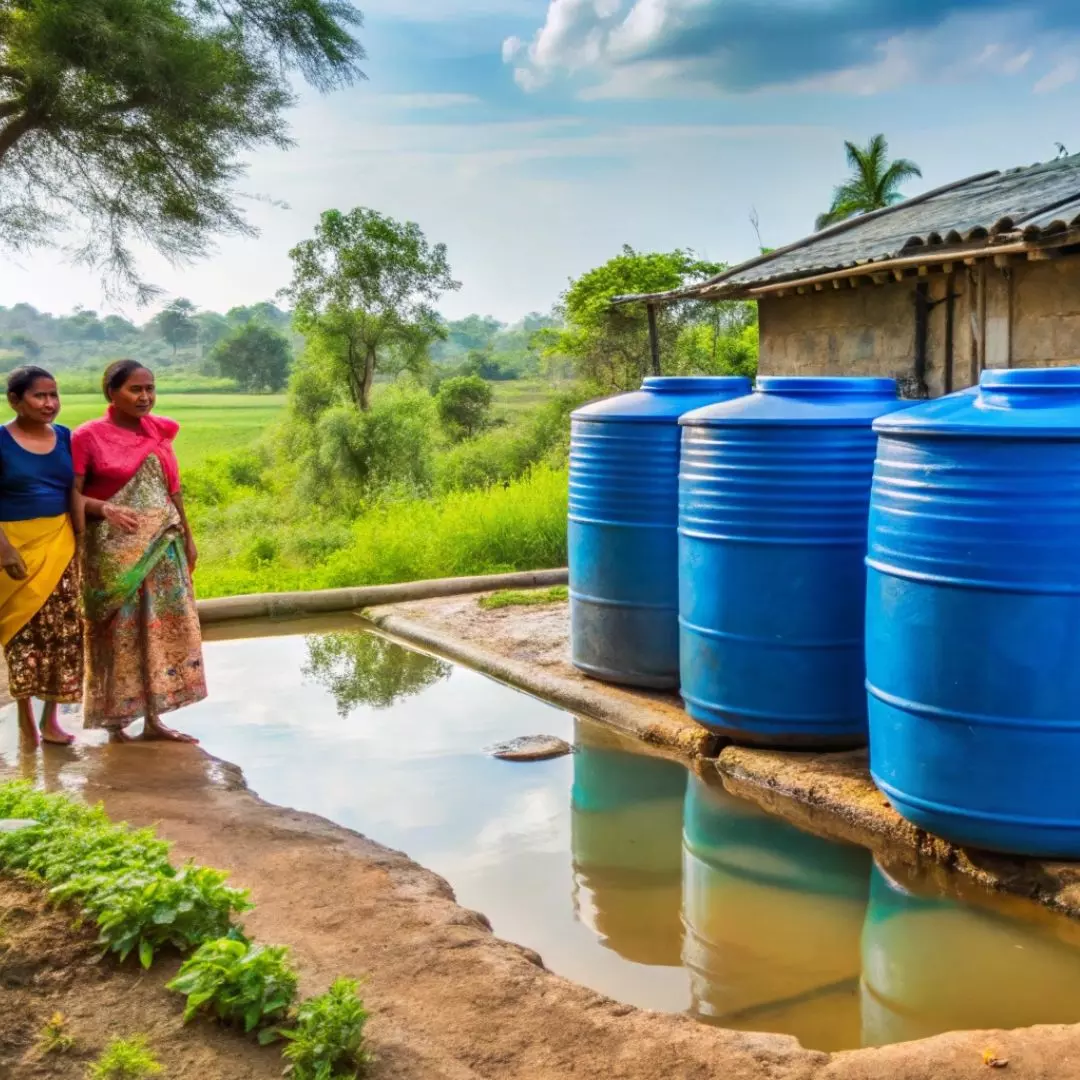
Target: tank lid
x=693, y=384
x=662, y=399
x=1008, y=403
x=804, y=401
x=824, y=384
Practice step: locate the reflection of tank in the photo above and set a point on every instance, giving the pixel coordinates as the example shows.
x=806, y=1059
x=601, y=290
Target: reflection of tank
x=772, y=918
x=931, y=964
x=626, y=818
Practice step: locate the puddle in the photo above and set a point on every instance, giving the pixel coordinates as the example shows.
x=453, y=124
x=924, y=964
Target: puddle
x=626, y=873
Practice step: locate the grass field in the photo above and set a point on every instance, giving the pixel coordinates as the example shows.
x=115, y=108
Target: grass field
x=209, y=423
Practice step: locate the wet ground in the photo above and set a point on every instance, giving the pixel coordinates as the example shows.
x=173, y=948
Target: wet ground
x=625, y=872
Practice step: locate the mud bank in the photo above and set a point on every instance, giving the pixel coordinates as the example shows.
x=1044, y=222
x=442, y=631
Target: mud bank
x=451, y=1001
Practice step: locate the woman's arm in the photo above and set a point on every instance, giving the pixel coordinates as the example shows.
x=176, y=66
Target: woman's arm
x=10, y=560
x=190, y=550
x=119, y=516
x=77, y=511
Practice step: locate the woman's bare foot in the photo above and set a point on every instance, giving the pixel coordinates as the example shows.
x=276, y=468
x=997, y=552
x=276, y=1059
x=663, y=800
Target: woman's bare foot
x=28, y=729
x=119, y=735
x=155, y=731
x=51, y=731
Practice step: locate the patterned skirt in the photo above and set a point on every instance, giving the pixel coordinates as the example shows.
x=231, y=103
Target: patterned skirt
x=45, y=658
x=143, y=649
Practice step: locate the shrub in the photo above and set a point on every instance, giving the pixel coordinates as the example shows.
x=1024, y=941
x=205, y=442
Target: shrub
x=327, y=1042
x=249, y=986
x=463, y=405
x=145, y=911
x=125, y=1059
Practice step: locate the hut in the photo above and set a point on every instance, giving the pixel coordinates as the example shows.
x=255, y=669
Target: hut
x=983, y=272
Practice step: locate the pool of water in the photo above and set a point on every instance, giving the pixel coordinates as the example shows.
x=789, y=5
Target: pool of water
x=624, y=871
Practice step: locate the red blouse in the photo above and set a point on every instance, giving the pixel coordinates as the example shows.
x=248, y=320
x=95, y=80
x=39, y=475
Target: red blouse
x=109, y=455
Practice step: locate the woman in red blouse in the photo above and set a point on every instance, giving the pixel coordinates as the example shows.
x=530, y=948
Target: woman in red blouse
x=143, y=643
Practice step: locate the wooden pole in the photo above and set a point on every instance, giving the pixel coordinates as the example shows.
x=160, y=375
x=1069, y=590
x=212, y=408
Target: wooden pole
x=654, y=339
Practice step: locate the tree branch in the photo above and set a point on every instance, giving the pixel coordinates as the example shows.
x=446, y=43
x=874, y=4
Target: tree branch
x=13, y=131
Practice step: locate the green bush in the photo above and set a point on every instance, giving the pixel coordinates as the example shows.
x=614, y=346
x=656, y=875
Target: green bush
x=463, y=404
x=125, y=1059
x=327, y=1041
x=245, y=985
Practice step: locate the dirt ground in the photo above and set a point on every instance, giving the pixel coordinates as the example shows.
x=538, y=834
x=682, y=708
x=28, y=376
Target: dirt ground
x=46, y=967
x=450, y=1001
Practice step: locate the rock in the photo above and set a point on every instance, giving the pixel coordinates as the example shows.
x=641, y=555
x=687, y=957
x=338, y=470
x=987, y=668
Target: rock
x=16, y=824
x=530, y=748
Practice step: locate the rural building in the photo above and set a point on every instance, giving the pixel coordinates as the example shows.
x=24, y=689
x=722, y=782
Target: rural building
x=984, y=272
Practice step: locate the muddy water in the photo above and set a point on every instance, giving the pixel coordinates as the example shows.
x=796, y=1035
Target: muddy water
x=626, y=873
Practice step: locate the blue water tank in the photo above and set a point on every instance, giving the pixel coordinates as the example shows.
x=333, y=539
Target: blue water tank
x=973, y=613
x=773, y=498
x=624, y=468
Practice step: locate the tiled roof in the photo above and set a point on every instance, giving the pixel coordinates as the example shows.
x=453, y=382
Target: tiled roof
x=992, y=209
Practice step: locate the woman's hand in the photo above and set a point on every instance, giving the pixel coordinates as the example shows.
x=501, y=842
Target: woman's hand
x=120, y=517
x=191, y=552
x=11, y=562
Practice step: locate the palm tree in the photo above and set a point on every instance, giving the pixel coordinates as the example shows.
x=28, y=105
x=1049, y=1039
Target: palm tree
x=874, y=184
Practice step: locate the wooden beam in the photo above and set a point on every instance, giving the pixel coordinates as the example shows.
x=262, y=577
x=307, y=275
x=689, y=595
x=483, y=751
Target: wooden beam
x=654, y=339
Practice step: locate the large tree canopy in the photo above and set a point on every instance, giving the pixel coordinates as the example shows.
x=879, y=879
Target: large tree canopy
x=126, y=119
x=364, y=292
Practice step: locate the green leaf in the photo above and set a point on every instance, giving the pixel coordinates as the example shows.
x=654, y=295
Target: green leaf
x=268, y=1035
x=146, y=953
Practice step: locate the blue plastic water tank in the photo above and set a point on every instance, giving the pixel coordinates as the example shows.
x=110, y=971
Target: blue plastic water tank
x=973, y=613
x=624, y=468
x=773, y=499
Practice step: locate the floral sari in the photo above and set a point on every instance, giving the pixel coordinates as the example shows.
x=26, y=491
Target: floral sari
x=143, y=643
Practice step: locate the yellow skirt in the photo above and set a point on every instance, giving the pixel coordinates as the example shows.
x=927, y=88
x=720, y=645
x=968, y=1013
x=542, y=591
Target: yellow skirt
x=47, y=546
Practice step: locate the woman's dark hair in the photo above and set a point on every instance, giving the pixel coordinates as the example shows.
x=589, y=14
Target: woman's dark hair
x=22, y=378
x=118, y=373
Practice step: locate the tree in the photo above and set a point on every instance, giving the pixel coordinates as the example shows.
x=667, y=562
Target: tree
x=609, y=346
x=176, y=324
x=463, y=403
x=256, y=356
x=128, y=118
x=25, y=344
x=364, y=290
x=874, y=184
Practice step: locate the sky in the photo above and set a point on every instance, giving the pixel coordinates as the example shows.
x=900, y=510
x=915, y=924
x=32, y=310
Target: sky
x=536, y=137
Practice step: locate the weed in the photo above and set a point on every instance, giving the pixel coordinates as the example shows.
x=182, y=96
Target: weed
x=125, y=1059
x=524, y=597
x=54, y=1037
x=247, y=985
x=327, y=1042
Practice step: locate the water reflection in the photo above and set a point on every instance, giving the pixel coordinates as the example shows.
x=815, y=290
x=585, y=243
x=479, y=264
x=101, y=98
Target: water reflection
x=773, y=918
x=365, y=669
x=625, y=824
x=932, y=965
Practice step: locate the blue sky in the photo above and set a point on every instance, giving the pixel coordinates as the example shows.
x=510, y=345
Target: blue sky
x=535, y=137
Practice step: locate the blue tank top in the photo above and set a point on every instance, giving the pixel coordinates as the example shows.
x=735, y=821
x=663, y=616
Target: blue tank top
x=35, y=485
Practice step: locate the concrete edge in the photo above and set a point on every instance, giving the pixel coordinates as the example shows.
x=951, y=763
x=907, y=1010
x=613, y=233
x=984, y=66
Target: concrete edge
x=639, y=721
x=290, y=604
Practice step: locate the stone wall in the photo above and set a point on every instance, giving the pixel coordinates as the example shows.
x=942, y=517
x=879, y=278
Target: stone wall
x=1029, y=316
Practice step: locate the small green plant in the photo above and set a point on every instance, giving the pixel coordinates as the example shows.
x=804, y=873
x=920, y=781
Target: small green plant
x=144, y=911
x=125, y=1059
x=327, y=1042
x=524, y=597
x=250, y=986
x=55, y=1037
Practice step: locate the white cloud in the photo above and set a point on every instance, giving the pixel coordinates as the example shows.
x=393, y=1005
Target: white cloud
x=1063, y=74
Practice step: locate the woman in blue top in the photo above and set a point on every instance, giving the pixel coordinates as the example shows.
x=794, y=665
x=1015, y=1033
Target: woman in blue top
x=40, y=623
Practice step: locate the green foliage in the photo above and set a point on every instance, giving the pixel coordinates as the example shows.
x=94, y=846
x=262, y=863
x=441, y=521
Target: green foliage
x=121, y=877
x=707, y=349
x=130, y=117
x=557, y=594
x=257, y=357
x=327, y=1041
x=363, y=291
x=365, y=669
x=55, y=1037
x=125, y=1059
x=609, y=346
x=874, y=184
x=244, y=985
x=464, y=404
